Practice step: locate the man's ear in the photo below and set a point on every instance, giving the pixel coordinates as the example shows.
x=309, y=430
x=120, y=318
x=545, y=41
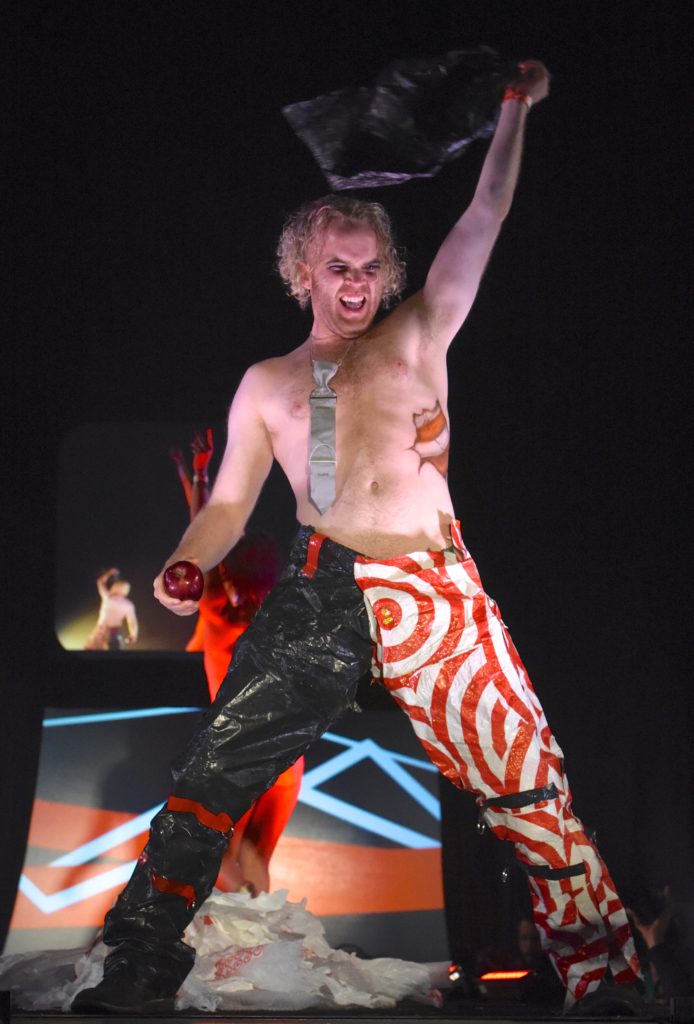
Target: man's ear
x=305, y=276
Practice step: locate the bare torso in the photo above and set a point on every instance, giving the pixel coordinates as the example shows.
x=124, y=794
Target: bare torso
x=392, y=420
x=392, y=438
x=116, y=610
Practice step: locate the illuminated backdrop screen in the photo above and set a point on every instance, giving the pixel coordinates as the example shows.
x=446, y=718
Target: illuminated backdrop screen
x=362, y=846
x=121, y=504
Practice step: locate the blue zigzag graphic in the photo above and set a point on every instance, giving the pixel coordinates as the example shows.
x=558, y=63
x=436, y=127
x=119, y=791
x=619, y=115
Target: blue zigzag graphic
x=389, y=761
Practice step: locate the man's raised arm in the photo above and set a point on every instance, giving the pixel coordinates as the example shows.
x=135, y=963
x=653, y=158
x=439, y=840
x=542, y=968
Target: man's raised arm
x=457, y=269
x=244, y=469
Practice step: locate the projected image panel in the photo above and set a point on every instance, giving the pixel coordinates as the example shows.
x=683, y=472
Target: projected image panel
x=122, y=509
x=362, y=845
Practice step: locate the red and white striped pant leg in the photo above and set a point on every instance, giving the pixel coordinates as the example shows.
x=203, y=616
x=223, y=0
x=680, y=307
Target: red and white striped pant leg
x=445, y=655
x=581, y=920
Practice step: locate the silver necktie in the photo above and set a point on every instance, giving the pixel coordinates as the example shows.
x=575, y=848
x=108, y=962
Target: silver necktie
x=322, y=456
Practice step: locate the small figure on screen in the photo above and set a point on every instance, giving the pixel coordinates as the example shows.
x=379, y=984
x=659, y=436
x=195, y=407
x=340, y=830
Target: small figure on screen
x=116, y=626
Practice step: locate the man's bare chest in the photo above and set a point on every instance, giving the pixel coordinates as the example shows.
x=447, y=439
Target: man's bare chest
x=365, y=392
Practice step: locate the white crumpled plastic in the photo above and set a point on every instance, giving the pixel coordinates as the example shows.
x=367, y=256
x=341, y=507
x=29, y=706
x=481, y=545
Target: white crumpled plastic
x=255, y=953
x=50, y=979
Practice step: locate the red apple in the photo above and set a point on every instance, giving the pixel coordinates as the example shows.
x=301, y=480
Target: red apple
x=184, y=580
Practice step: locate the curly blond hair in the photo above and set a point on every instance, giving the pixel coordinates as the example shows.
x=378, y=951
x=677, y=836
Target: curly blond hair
x=305, y=225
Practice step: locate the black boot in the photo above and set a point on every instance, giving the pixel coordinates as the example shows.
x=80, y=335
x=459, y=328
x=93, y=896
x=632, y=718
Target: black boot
x=135, y=981
x=149, y=960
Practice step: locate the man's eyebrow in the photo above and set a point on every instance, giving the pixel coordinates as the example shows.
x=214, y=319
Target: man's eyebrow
x=340, y=259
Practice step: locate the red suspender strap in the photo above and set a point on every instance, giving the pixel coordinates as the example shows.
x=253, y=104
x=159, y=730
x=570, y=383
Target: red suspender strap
x=219, y=822
x=315, y=543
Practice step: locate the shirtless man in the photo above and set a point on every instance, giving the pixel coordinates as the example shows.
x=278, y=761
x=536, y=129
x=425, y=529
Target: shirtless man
x=382, y=572
x=116, y=610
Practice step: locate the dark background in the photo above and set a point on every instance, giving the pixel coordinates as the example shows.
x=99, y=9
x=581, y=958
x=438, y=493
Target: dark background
x=153, y=172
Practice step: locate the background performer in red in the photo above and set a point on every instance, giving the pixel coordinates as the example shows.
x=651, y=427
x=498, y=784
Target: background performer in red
x=234, y=590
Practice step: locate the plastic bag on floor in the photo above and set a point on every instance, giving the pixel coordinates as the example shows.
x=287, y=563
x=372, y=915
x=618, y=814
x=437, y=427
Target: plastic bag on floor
x=50, y=979
x=261, y=953
x=267, y=953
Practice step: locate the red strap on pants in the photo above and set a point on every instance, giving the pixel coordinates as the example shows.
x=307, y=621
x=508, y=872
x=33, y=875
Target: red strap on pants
x=219, y=822
x=315, y=543
x=162, y=884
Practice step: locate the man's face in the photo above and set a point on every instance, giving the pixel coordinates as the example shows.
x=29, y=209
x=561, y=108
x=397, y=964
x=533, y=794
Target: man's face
x=345, y=280
x=528, y=939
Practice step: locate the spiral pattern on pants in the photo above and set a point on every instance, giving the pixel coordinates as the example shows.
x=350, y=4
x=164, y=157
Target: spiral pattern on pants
x=444, y=653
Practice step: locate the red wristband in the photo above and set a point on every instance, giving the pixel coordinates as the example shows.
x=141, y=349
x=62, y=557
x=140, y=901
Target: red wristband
x=517, y=94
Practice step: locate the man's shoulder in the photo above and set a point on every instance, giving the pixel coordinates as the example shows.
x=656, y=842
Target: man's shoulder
x=265, y=372
x=404, y=328
x=407, y=316
x=263, y=380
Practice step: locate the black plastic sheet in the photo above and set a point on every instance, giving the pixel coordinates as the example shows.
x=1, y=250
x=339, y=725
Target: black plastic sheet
x=416, y=116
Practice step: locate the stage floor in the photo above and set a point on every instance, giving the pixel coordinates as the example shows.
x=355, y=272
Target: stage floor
x=446, y=1015
x=223, y=1018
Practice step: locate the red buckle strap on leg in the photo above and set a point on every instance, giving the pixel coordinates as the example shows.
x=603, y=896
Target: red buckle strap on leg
x=219, y=822
x=315, y=543
x=162, y=884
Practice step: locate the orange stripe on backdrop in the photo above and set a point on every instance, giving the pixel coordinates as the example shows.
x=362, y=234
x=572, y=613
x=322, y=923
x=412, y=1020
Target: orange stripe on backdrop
x=56, y=826
x=84, y=914
x=341, y=879
x=335, y=878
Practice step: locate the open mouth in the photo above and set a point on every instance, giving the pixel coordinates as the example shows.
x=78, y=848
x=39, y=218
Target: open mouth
x=353, y=304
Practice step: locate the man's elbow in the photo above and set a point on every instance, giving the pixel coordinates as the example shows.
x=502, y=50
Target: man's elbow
x=493, y=203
